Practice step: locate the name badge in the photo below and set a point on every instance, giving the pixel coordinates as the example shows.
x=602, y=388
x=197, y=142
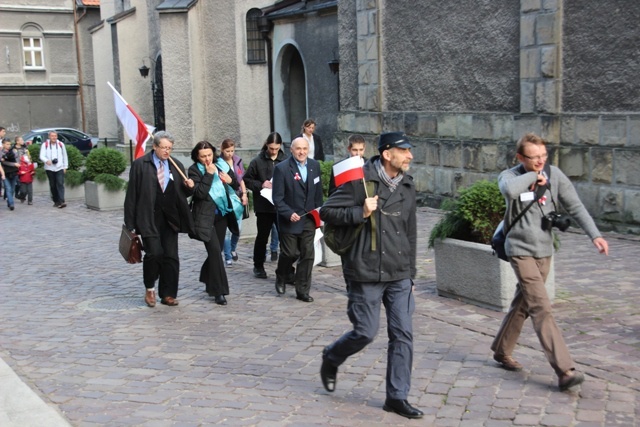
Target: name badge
x=170, y=176
x=527, y=197
x=316, y=180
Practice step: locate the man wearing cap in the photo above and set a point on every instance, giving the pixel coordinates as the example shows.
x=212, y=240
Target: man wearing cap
x=379, y=267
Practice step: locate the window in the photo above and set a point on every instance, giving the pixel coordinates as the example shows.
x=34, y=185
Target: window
x=33, y=54
x=255, y=42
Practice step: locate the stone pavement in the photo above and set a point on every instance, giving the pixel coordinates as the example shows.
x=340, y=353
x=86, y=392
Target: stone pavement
x=75, y=330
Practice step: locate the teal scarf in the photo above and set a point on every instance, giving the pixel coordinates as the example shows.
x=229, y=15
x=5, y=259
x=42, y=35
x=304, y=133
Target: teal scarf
x=221, y=193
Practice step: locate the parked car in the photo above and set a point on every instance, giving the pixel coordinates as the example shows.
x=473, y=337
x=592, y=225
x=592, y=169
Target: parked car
x=83, y=142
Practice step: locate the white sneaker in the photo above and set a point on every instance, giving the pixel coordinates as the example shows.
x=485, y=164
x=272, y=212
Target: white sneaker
x=229, y=263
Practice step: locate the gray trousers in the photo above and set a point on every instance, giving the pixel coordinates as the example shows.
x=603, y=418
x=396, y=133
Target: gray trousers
x=364, y=313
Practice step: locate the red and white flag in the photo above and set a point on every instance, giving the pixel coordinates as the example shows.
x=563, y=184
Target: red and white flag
x=132, y=123
x=315, y=214
x=348, y=170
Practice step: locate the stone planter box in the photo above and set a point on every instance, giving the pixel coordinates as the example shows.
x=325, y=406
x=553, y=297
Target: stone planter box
x=249, y=227
x=41, y=188
x=329, y=258
x=470, y=272
x=97, y=197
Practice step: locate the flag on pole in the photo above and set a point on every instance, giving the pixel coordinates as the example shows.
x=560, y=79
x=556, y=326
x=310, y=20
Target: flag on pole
x=348, y=170
x=315, y=214
x=132, y=123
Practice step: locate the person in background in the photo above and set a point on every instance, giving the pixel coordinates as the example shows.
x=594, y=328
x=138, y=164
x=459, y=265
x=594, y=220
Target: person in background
x=354, y=148
x=274, y=243
x=382, y=273
x=529, y=246
x=26, y=171
x=10, y=165
x=258, y=176
x=228, y=149
x=156, y=208
x=212, y=214
x=21, y=151
x=53, y=154
x=297, y=190
x=316, y=150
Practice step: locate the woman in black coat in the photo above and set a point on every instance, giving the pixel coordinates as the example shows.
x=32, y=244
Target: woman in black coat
x=212, y=214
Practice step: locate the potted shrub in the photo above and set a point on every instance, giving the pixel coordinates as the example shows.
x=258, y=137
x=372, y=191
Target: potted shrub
x=466, y=268
x=104, y=189
x=40, y=182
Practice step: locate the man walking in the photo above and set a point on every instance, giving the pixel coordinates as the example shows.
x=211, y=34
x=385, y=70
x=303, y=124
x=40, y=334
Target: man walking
x=53, y=154
x=379, y=267
x=156, y=208
x=529, y=246
x=354, y=148
x=297, y=190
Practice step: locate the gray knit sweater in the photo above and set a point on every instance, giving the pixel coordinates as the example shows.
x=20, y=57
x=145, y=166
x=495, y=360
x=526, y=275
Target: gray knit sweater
x=527, y=238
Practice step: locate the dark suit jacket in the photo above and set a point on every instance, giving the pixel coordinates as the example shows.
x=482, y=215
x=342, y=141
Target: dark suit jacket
x=141, y=197
x=318, y=150
x=293, y=195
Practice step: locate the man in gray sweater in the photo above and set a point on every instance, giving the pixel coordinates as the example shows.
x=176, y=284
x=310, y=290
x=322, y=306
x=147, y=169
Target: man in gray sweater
x=529, y=246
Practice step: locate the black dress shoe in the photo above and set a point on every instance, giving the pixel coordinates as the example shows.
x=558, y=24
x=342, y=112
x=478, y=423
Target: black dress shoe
x=328, y=373
x=305, y=298
x=280, y=285
x=402, y=407
x=220, y=300
x=259, y=272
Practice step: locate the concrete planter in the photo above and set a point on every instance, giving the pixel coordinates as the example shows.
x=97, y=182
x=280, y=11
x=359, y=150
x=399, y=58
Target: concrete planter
x=329, y=258
x=249, y=227
x=470, y=272
x=97, y=197
x=41, y=188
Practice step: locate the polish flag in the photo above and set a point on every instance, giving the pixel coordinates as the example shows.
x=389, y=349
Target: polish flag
x=348, y=170
x=132, y=123
x=315, y=214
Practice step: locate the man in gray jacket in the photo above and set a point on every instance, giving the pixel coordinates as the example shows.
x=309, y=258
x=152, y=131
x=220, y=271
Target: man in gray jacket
x=380, y=266
x=529, y=246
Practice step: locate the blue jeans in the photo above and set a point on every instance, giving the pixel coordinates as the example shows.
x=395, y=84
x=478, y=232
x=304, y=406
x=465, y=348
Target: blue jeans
x=10, y=189
x=275, y=239
x=231, y=242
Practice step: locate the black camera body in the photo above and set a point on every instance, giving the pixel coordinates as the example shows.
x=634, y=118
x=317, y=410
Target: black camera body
x=557, y=220
x=54, y=161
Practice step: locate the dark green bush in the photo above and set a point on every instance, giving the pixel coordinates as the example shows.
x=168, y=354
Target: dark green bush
x=104, y=160
x=76, y=159
x=325, y=170
x=111, y=182
x=73, y=178
x=473, y=216
x=41, y=174
x=34, y=152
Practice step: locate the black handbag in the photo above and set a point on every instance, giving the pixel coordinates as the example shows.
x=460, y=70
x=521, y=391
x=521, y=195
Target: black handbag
x=245, y=213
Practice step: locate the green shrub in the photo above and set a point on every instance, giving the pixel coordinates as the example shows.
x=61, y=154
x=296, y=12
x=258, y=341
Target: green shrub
x=473, y=216
x=325, y=170
x=111, y=182
x=76, y=159
x=41, y=174
x=104, y=160
x=73, y=178
x=34, y=152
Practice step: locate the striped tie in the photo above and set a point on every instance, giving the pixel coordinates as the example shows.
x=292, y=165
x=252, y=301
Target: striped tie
x=161, y=176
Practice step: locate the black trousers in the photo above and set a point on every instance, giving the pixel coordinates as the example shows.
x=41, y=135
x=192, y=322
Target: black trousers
x=298, y=247
x=160, y=261
x=56, y=185
x=264, y=222
x=213, y=273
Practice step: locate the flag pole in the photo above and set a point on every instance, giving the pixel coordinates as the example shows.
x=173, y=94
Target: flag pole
x=366, y=193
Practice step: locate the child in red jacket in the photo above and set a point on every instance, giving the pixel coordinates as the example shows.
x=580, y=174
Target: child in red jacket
x=26, y=171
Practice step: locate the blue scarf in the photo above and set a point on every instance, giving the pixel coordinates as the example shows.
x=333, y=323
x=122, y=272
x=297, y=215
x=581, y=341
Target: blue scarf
x=217, y=192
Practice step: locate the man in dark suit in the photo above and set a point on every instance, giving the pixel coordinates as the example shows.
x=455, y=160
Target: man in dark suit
x=297, y=190
x=156, y=208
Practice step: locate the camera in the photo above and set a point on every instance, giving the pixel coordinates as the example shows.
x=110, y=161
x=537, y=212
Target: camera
x=557, y=220
x=54, y=161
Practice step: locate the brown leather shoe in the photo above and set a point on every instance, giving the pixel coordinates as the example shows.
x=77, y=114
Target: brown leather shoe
x=569, y=379
x=507, y=362
x=150, y=298
x=169, y=301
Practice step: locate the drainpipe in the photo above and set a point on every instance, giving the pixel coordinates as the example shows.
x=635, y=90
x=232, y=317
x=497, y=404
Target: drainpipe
x=265, y=26
x=77, y=19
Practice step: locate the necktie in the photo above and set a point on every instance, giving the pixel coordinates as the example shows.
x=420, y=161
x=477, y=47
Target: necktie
x=161, y=176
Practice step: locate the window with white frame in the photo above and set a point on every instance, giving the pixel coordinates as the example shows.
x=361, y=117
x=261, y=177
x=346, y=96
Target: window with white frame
x=33, y=52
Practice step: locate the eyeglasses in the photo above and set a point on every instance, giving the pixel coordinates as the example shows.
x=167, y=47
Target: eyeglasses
x=169, y=149
x=536, y=158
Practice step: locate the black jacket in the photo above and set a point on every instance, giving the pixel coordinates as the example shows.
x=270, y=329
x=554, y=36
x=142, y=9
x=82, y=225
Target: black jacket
x=9, y=163
x=293, y=195
x=141, y=197
x=261, y=170
x=394, y=257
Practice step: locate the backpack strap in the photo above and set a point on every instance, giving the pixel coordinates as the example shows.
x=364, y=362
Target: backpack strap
x=371, y=189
